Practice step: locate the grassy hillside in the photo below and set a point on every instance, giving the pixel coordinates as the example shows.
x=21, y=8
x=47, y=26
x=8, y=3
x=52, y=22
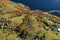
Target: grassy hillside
x=19, y=22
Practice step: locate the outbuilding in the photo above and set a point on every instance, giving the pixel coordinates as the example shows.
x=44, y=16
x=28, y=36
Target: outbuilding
x=58, y=29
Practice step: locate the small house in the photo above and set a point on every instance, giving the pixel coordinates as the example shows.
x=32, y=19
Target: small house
x=58, y=29
x=35, y=38
x=8, y=22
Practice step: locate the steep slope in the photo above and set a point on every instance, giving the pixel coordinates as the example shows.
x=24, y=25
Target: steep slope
x=18, y=22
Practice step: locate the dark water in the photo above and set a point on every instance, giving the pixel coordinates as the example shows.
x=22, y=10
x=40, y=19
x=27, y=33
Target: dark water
x=44, y=5
x=56, y=14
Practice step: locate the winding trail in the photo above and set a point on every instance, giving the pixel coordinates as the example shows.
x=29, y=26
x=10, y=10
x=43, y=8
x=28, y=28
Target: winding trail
x=54, y=11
